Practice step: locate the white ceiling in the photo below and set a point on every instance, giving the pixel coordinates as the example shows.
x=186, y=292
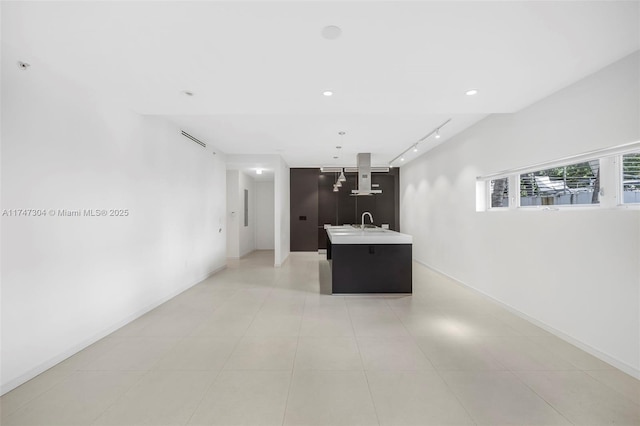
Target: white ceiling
x=258, y=69
x=250, y=163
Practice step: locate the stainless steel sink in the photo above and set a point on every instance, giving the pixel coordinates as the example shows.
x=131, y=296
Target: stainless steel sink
x=368, y=226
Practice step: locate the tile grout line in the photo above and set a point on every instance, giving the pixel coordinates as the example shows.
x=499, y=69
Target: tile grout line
x=295, y=356
x=272, y=288
x=611, y=387
x=215, y=379
x=221, y=370
x=364, y=371
x=66, y=374
x=142, y=376
x=435, y=370
x=119, y=397
x=557, y=410
x=179, y=340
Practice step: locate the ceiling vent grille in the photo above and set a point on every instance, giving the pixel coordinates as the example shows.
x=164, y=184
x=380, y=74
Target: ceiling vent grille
x=196, y=140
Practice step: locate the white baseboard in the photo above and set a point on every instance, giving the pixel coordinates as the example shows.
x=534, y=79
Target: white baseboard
x=14, y=383
x=632, y=371
x=279, y=265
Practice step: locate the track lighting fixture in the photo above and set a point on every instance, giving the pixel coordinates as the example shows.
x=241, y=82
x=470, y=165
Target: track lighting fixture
x=342, y=177
x=414, y=147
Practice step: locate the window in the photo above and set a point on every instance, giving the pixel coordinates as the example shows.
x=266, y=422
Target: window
x=499, y=190
x=571, y=184
x=631, y=178
x=604, y=178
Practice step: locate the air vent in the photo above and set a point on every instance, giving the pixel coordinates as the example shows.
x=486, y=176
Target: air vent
x=196, y=140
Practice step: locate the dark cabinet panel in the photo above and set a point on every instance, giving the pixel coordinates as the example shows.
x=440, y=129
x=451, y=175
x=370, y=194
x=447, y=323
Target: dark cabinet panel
x=327, y=200
x=385, y=203
x=327, y=205
x=378, y=268
x=304, y=209
x=337, y=208
x=347, y=202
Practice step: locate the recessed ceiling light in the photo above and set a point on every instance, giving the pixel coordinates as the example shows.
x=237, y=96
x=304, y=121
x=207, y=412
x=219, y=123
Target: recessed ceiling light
x=258, y=171
x=335, y=157
x=342, y=133
x=338, y=147
x=327, y=93
x=188, y=93
x=401, y=158
x=331, y=32
x=471, y=92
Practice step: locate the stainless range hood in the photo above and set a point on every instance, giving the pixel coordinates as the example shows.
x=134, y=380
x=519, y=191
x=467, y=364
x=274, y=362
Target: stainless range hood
x=364, y=176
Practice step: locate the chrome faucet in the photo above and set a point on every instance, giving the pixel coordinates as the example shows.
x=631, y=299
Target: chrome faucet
x=370, y=219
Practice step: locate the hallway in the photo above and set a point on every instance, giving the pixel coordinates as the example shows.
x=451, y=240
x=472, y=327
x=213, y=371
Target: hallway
x=255, y=344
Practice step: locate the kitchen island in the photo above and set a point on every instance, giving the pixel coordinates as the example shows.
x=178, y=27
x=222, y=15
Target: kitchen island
x=369, y=260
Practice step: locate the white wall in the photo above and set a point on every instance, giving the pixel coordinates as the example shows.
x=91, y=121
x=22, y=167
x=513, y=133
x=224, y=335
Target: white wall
x=247, y=234
x=275, y=165
x=264, y=214
x=233, y=214
x=282, y=212
x=576, y=271
x=68, y=281
x=240, y=238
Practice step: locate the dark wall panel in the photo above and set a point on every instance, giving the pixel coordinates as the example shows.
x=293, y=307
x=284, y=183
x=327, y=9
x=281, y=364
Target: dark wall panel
x=385, y=203
x=347, y=204
x=327, y=205
x=337, y=208
x=304, y=209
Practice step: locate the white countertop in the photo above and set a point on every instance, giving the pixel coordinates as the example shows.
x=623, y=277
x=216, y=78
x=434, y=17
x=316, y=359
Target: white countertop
x=349, y=235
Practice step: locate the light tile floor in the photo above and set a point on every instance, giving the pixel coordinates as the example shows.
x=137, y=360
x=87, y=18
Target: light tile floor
x=258, y=345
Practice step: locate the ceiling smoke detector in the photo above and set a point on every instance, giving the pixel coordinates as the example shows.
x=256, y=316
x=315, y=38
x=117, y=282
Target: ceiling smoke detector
x=331, y=32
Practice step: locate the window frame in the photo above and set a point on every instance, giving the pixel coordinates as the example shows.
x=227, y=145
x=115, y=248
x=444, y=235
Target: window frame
x=488, y=194
x=558, y=206
x=610, y=176
x=620, y=168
